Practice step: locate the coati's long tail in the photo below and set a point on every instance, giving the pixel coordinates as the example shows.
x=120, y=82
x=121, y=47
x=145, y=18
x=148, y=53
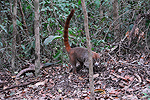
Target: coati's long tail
x=66, y=42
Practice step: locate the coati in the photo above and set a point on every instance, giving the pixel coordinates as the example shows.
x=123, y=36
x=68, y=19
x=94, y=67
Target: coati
x=77, y=54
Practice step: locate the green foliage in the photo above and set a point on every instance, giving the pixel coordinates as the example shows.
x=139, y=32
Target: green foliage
x=97, y=3
x=146, y=95
x=147, y=23
x=2, y=27
x=79, y=2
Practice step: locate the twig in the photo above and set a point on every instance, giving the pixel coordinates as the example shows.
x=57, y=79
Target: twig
x=139, y=79
x=30, y=4
x=118, y=76
x=146, y=39
x=137, y=21
x=126, y=87
x=114, y=22
x=133, y=64
x=119, y=44
x=112, y=58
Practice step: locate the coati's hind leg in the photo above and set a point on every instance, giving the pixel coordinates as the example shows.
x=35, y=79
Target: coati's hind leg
x=73, y=63
x=80, y=66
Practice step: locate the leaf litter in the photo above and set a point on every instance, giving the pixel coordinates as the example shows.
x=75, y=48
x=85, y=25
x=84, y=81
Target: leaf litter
x=126, y=80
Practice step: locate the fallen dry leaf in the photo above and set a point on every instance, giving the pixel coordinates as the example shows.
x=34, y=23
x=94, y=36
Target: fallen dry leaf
x=95, y=75
x=100, y=90
x=80, y=78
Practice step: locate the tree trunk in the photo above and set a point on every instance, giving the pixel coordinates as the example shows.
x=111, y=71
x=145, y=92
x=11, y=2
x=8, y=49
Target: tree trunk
x=89, y=50
x=101, y=10
x=115, y=16
x=14, y=35
x=37, y=37
x=23, y=19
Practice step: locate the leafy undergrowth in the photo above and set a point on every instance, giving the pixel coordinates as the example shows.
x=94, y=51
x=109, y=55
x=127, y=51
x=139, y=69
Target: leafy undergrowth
x=121, y=79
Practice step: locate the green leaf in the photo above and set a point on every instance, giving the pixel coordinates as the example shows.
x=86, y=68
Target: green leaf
x=60, y=31
x=19, y=23
x=3, y=28
x=131, y=26
x=28, y=7
x=79, y=2
x=23, y=47
x=1, y=44
x=103, y=19
x=145, y=94
x=43, y=9
x=97, y=2
x=58, y=54
x=50, y=39
x=147, y=23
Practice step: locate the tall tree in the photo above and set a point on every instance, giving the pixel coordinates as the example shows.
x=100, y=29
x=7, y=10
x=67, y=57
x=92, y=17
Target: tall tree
x=37, y=37
x=14, y=35
x=101, y=10
x=23, y=18
x=115, y=16
x=89, y=50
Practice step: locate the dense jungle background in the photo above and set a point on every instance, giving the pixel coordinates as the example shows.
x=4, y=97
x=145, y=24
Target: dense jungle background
x=119, y=31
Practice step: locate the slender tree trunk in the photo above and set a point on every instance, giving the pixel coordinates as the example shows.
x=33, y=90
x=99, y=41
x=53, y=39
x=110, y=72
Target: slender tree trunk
x=14, y=35
x=37, y=37
x=101, y=10
x=115, y=16
x=23, y=19
x=89, y=50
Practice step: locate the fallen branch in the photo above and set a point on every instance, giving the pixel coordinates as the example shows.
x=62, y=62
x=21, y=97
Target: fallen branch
x=31, y=68
x=20, y=85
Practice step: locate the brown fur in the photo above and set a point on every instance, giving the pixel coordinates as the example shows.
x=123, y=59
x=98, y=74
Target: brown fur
x=77, y=54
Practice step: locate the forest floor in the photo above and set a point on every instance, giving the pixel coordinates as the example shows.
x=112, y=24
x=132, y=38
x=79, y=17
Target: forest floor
x=115, y=79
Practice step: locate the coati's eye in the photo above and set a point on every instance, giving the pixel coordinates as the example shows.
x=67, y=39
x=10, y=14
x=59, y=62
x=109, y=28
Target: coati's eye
x=97, y=59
